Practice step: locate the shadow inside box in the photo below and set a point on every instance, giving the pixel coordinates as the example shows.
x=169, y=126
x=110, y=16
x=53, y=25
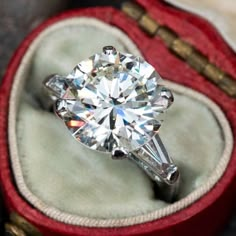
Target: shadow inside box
x=230, y=228
x=3, y=215
x=91, y=3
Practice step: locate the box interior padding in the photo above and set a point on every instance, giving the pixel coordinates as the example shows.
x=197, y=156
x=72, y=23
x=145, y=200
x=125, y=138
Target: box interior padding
x=72, y=184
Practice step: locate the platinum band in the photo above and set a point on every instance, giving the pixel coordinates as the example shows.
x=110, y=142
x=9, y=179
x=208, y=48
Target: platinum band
x=155, y=161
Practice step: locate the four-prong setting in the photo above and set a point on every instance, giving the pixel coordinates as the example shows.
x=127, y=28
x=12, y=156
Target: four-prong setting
x=112, y=102
x=111, y=108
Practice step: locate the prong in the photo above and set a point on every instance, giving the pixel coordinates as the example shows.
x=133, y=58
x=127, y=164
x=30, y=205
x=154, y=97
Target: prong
x=109, y=50
x=163, y=100
x=119, y=153
x=172, y=174
x=156, y=125
x=168, y=96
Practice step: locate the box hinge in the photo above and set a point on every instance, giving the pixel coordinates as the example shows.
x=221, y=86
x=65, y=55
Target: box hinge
x=19, y=226
x=184, y=50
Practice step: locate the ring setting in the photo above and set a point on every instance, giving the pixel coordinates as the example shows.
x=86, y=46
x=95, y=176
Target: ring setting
x=113, y=102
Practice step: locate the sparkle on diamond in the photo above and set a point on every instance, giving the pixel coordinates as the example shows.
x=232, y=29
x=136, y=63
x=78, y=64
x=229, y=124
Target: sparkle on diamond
x=111, y=100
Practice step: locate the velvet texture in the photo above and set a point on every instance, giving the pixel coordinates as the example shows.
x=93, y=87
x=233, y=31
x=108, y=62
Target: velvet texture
x=196, y=31
x=221, y=14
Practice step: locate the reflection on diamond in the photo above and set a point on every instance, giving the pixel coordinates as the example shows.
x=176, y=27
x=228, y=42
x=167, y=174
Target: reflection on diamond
x=111, y=100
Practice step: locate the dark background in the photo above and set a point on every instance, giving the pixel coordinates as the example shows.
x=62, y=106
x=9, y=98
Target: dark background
x=18, y=18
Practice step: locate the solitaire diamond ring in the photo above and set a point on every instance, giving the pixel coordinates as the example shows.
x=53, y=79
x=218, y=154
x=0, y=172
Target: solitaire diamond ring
x=113, y=102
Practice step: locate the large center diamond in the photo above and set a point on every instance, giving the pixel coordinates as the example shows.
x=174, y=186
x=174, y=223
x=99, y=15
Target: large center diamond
x=111, y=100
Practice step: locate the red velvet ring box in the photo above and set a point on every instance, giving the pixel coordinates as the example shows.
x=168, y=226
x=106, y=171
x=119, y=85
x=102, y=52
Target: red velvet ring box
x=60, y=190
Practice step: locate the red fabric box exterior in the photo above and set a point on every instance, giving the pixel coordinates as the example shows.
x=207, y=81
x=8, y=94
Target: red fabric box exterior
x=206, y=216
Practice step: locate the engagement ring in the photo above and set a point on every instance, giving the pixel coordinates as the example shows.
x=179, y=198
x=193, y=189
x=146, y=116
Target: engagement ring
x=114, y=102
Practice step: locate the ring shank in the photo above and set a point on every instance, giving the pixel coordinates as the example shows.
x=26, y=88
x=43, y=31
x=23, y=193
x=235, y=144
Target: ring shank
x=155, y=161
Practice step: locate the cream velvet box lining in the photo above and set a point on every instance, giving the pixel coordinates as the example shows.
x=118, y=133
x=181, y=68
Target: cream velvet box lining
x=72, y=184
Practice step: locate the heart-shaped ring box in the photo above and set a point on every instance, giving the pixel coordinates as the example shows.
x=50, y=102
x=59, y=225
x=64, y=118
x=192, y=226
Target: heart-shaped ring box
x=53, y=186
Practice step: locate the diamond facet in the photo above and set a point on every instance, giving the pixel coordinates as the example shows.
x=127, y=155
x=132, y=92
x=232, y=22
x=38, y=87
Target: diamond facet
x=111, y=100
